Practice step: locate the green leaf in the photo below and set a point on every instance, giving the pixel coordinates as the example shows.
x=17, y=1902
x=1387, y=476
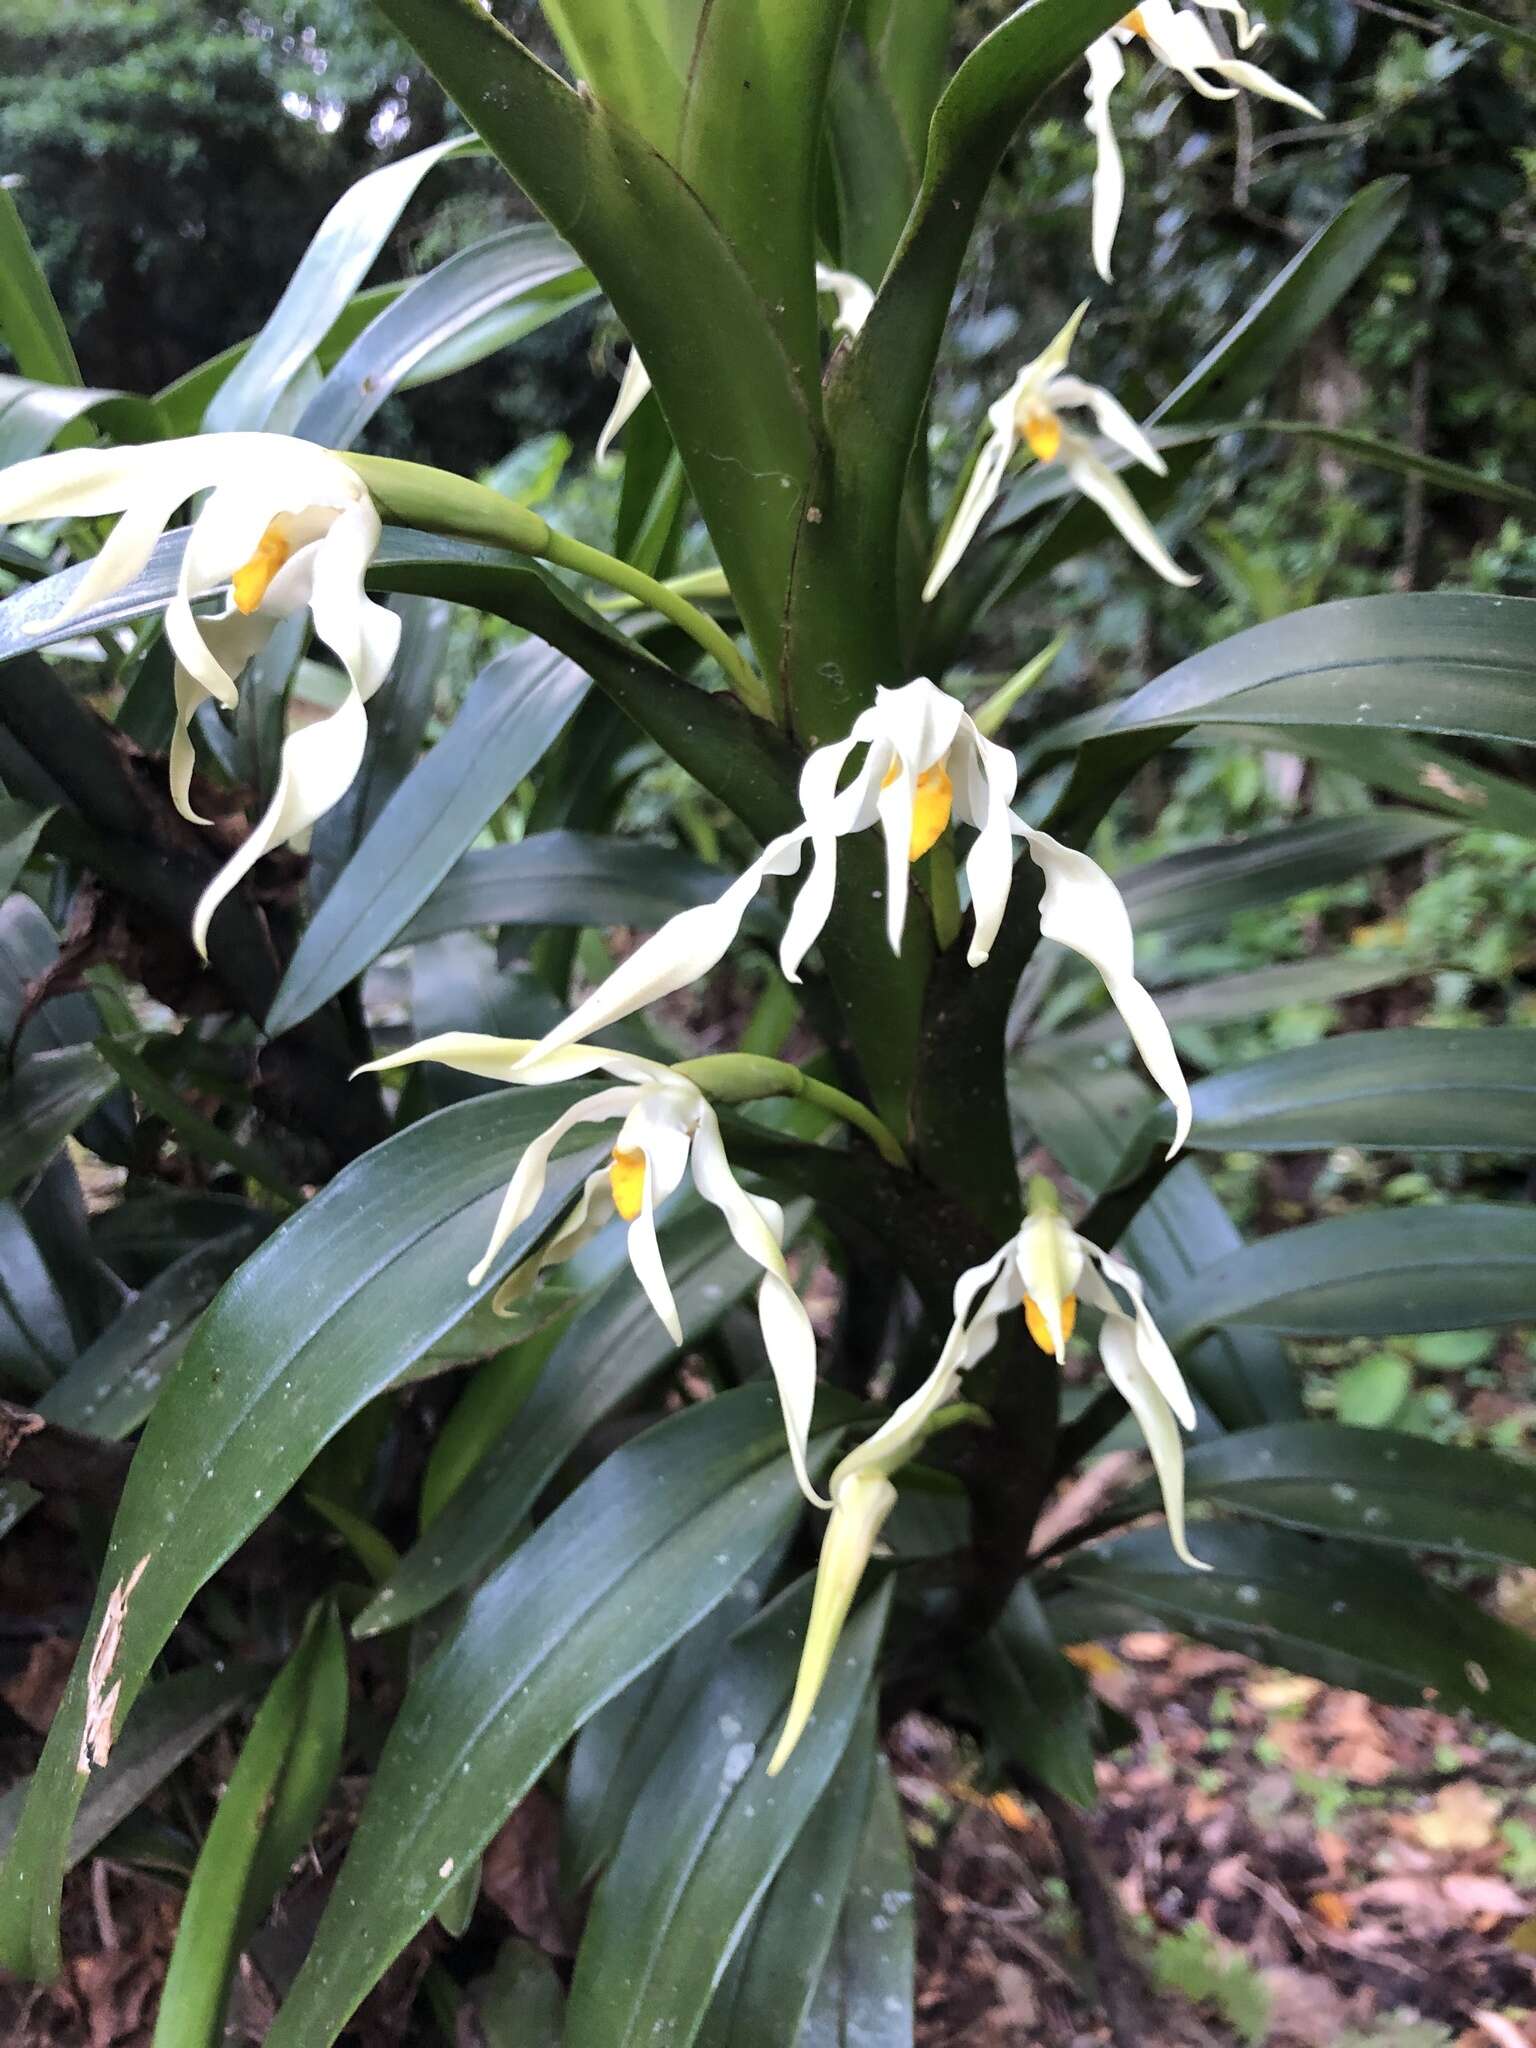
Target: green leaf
x=326, y=1314
x=612, y=1348
x=34, y=416
x=198, y=1134
x=1338, y=1611
x=1030, y=1701
x=1369, y=1393
x=1380, y=1274
x=634, y=55
x=520, y=2004
x=1086, y=1112
x=264, y=1819
x=517, y=280
x=567, y=878
x=20, y=827
x=333, y=266
x=1424, y=662
x=397, y=724
x=36, y=1340
x=597, y=181
x=710, y=1830
x=49, y=1095
x=1477, y=21
x=864, y=1999
x=647, y=1546
x=1409, y=1090
x=515, y=708
x=750, y=146
x=616, y=1753
x=177, y=1716
x=30, y=321
x=1376, y=1485
x=1183, y=893
x=1435, y=778
x=766, y=1992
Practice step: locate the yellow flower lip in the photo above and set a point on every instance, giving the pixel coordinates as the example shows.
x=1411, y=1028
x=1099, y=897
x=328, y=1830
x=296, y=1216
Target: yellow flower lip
x=931, y=804
x=250, y=582
x=1042, y=435
x=626, y=1177
x=1039, y=1329
x=1133, y=24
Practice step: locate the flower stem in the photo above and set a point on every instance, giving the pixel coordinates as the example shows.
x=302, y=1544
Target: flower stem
x=699, y=626
x=752, y=1077
x=444, y=503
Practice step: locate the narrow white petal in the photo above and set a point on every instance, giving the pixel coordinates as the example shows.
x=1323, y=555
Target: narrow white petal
x=857, y=1518
x=127, y=550
x=819, y=802
x=976, y=501
x=633, y=386
x=650, y=1271
x=1106, y=68
x=1111, y=417
x=787, y=1333
x=1154, y=1418
x=317, y=769
x=363, y=636
x=1082, y=908
x=1252, y=79
x=527, y=1183
x=895, y=804
x=506, y=1059
x=1050, y=1264
x=1096, y=480
x=686, y=948
x=1151, y=1345
x=854, y=298
x=592, y=1213
x=989, y=864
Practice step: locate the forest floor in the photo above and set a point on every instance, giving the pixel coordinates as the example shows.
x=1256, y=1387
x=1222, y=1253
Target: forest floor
x=1292, y=1865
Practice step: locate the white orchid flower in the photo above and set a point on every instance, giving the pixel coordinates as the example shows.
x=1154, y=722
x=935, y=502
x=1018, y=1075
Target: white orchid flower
x=1046, y=1269
x=854, y=299
x=286, y=525
x=1030, y=412
x=667, y=1126
x=926, y=762
x=1180, y=39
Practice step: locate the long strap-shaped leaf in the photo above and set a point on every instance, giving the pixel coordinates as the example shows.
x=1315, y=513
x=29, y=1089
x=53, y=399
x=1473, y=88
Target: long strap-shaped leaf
x=737, y=411
x=343, y=1298
x=648, y=1545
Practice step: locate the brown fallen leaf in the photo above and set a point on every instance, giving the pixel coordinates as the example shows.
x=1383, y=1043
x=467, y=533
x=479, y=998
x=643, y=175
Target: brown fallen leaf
x=1332, y=1908
x=521, y=1873
x=1463, y=1816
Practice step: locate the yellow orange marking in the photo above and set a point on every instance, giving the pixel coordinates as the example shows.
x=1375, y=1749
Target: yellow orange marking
x=1133, y=23
x=932, y=801
x=1039, y=1329
x=626, y=1176
x=1042, y=434
x=249, y=584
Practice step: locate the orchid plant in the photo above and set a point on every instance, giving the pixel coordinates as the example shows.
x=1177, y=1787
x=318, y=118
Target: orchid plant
x=681, y=1565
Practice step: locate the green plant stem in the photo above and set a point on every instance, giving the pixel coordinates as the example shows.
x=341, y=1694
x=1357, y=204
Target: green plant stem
x=441, y=502
x=752, y=1077
x=944, y=895
x=699, y=626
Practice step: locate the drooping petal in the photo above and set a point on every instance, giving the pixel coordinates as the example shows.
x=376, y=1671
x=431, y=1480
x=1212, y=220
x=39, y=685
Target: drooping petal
x=506, y=1059
x=1111, y=417
x=895, y=804
x=593, y=1212
x=527, y=1183
x=787, y=1333
x=989, y=864
x=685, y=949
x=1096, y=480
x=858, y=1515
x=854, y=298
x=317, y=769
x=633, y=386
x=235, y=640
x=982, y=487
x=903, y=1430
x=1106, y=68
x=1182, y=41
x=1082, y=908
x=363, y=636
x=824, y=822
x=1154, y=1418
x=1151, y=1345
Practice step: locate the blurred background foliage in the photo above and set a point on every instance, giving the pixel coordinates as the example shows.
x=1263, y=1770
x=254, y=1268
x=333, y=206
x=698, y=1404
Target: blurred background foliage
x=172, y=158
